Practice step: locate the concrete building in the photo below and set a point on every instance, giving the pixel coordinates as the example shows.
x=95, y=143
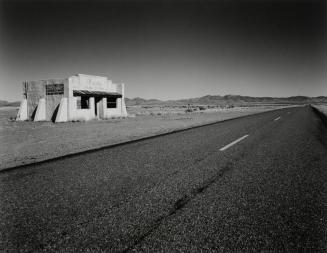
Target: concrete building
x=78, y=97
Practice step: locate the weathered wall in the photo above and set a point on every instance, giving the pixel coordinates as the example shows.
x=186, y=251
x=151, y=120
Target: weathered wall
x=53, y=101
x=52, y=106
x=114, y=112
x=92, y=83
x=36, y=90
x=86, y=114
x=62, y=114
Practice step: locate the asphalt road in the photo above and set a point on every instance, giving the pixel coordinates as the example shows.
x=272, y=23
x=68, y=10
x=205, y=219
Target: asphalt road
x=184, y=192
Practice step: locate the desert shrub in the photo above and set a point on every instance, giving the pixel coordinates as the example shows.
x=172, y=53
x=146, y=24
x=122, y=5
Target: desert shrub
x=202, y=108
x=189, y=110
x=79, y=119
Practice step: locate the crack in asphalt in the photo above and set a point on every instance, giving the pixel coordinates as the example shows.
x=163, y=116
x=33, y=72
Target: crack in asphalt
x=179, y=204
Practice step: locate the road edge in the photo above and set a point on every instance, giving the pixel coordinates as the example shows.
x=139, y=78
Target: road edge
x=69, y=155
x=322, y=116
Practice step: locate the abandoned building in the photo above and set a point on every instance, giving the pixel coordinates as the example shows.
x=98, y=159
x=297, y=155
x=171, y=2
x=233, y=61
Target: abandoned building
x=78, y=97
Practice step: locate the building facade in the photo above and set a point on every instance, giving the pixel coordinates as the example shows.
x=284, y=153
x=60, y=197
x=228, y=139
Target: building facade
x=78, y=97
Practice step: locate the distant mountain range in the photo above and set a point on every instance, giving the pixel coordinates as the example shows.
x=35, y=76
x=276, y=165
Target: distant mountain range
x=229, y=99
x=6, y=103
x=215, y=100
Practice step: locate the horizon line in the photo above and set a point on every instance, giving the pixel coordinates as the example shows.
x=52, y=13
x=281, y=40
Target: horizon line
x=166, y=100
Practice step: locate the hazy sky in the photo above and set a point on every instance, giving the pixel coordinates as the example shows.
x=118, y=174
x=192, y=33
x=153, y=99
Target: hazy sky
x=168, y=49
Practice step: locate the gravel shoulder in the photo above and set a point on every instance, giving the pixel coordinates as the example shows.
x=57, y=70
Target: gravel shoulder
x=29, y=142
x=322, y=108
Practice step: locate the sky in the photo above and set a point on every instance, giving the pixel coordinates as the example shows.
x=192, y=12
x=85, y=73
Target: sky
x=168, y=49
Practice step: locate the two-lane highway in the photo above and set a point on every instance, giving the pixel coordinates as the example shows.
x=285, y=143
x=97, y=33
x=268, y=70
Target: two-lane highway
x=248, y=184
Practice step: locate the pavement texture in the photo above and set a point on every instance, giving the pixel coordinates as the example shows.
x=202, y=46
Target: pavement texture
x=179, y=192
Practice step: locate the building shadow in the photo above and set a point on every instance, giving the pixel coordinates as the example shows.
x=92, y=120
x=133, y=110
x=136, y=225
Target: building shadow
x=33, y=113
x=54, y=115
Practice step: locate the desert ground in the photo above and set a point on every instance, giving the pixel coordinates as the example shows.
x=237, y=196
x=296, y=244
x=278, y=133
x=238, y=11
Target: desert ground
x=28, y=142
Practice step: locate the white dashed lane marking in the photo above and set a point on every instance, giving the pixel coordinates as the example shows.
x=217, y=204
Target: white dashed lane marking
x=233, y=143
x=277, y=119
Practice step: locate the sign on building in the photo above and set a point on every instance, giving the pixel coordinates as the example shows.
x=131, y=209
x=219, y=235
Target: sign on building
x=54, y=89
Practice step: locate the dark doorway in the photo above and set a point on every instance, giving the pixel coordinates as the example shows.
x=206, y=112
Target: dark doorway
x=97, y=105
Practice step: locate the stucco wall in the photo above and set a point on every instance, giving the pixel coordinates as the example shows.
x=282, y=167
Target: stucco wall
x=37, y=90
x=86, y=82
x=113, y=112
x=92, y=83
x=84, y=114
x=52, y=106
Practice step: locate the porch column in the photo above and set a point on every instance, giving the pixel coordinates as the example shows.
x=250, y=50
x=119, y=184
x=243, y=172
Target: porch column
x=72, y=107
x=103, y=108
x=122, y=101
x=92, y=106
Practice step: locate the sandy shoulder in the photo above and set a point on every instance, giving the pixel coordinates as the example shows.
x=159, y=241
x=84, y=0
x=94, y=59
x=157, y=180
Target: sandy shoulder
x=322, y=108
x=28, y=142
